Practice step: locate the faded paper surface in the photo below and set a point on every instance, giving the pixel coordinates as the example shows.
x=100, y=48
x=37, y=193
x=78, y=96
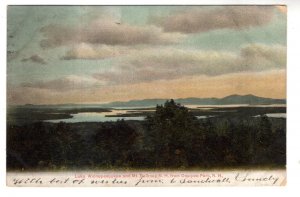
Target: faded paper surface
x=149, y=179
x=146, y=95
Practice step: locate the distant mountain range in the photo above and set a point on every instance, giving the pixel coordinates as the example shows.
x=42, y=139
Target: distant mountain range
x=228, y=100
x=234, y=99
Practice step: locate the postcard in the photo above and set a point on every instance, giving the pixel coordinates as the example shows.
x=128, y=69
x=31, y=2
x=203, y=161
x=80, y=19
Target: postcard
x=146, y=96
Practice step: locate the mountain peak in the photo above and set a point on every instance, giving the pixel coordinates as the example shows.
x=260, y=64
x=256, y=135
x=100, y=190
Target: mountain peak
x=238, y=95
x=249, y=99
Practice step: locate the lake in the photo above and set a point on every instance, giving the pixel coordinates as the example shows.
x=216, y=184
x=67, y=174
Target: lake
x=203, y=117
x=99, y=116
x=106, y=116
x=274, y=115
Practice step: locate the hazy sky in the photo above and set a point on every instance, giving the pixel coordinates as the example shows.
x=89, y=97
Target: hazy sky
x=96, y=54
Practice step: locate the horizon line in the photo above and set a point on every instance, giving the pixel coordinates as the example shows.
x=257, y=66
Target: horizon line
x=104, y=103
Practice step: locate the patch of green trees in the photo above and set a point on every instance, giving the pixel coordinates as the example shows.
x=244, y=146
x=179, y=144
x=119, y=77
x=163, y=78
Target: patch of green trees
x=171, y=138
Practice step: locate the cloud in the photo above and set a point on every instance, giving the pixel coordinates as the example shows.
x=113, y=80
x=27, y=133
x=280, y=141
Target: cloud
x=35, y=59
x=71, y=82
x=169, y=63
x=106, y=31
x=88, y=51
x=163, y=64
x=195, y=20
x=262, y=57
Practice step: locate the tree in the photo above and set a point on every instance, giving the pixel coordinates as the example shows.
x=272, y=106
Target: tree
x=115, y=143
x=263, y=141
x=174, y=136
x=41, y=146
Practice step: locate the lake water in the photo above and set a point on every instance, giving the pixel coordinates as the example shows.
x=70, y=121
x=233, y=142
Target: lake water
x=101, y=117
x=203, y=117
x=95, y=117
x=274, y=115
x=104, y=116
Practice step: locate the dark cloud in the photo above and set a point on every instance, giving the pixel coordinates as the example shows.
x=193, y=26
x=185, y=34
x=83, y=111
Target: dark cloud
x=262, y=57
x=71, y=82
x=195, y=20
x=165, y=64
x=105, y=32
x=35, y=59
x=11, y=54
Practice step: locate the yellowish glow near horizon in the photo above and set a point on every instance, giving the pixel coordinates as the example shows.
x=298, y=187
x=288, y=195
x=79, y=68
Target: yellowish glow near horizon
x=271, y=84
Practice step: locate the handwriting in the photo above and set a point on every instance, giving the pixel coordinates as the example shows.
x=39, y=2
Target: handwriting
x=244, y=178
x=27, y=181
x=247, y=178
x=142, y=180
x=203, y=181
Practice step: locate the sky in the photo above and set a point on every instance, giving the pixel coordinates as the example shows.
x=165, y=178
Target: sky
x=100, y=54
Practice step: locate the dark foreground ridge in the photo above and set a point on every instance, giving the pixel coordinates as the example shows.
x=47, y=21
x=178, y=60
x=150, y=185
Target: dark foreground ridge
x=170, y=138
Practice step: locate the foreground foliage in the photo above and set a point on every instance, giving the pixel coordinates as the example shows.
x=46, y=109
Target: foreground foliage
x=170, y=138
